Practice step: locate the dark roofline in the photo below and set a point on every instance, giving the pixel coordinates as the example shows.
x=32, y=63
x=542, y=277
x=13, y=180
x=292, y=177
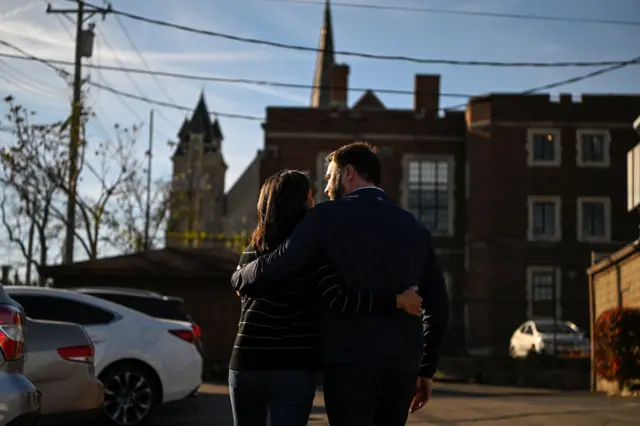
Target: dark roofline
x=167, y=262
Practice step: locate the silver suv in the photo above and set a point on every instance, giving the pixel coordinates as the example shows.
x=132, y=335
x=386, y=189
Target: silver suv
x=20, y=400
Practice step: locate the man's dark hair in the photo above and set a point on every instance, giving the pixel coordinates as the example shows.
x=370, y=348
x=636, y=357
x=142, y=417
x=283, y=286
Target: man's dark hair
x=362, y=156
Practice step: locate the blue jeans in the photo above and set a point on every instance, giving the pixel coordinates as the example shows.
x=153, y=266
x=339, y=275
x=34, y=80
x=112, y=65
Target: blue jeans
x=286, y=396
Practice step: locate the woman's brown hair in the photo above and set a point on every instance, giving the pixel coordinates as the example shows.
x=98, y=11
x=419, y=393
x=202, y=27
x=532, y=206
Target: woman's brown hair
x=281, y=206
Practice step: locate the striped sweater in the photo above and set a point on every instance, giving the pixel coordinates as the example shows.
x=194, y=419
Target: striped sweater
x=281, y=329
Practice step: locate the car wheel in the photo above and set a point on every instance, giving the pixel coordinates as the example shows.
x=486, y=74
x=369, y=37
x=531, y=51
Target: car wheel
x=512, y=352
x=130, y=393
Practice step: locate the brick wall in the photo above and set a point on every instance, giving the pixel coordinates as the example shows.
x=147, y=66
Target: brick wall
x=614, y=281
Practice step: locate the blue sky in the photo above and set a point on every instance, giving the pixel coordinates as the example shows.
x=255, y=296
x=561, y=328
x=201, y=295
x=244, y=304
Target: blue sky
x=25, y=24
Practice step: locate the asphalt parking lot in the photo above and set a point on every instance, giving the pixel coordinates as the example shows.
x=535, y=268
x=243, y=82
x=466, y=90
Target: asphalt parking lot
x=452, y=404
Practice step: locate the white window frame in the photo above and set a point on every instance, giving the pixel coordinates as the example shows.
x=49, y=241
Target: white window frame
x=404, y=195
x=556, y=162
x=531, y=270
x=607, y=220
x=531, y=201
x=321, y=170
x=606, y=148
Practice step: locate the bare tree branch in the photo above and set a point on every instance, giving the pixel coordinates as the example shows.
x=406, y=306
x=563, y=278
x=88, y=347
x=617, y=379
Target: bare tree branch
x=110, y=200
x=26, y=166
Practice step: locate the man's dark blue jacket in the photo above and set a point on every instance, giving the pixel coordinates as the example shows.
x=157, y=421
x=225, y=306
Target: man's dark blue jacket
x=376, y=246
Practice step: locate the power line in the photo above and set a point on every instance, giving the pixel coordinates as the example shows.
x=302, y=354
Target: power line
x=225, y=79
x=15, y=76
x=126, y=94
x=61, y=72
x=263, y=42
x=142, y=59
x=255, y=118
x=586, y=76
x=135, y=85
x=96, y=117
x=170, y=105
x=529, y=17
x=569, y=80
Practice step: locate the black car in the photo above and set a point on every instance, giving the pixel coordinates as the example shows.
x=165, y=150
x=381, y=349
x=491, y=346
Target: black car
x=149, y=303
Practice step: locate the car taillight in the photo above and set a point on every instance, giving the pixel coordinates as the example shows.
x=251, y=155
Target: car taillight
x=11, y=333
x=186, y=335
x=196, y=330
x=78, y=353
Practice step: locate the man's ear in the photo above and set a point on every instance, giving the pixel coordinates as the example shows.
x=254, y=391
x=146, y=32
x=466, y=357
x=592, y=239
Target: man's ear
x=349, y=172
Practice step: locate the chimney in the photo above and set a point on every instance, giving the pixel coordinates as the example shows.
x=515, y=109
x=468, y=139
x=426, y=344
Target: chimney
x=339, y=85
x=426, y=95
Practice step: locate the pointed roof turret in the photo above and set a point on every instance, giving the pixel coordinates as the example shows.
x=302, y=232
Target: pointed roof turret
x=216, y=131
x=200, y=123
x=321, y=92
x=184, y=129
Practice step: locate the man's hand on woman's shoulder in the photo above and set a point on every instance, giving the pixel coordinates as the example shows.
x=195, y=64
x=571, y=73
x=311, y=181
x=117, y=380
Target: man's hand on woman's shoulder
x=410, y=301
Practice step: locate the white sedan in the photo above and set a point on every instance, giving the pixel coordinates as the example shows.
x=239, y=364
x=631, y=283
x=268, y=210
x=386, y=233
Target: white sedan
x=142, y=361
x=537, y=336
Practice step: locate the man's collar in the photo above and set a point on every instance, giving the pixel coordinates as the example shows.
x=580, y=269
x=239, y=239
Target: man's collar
x=368, y=191
x=366, y=187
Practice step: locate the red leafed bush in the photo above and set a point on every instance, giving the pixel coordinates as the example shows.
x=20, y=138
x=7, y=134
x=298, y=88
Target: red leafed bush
x=617, y=345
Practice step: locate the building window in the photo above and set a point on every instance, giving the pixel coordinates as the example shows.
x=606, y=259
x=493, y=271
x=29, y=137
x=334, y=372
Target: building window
x=428, y=192
x=321, y=172
x=541, y=298
x=594, y=219
x=544, y=218
x=542, y=283
x=543, y=147
x=593, y=148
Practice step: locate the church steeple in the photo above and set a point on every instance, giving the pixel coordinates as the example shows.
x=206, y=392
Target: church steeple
x=321, y=93
x=200, y=123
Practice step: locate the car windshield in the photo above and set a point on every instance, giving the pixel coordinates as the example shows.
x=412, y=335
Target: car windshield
x=561, y=328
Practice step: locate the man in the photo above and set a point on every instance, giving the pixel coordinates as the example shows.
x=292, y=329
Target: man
x=371, y=362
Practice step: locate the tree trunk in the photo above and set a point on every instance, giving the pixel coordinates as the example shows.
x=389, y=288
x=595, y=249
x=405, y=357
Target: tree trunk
x=32, y=231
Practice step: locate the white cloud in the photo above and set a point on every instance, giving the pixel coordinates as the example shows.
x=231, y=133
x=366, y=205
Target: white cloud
x=42, y=36
x=50, y=36
x=7, y=11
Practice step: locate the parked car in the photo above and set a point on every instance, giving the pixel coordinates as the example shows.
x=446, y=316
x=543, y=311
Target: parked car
x=60, y=364
x=141, y=361
x=537, y=336
x=19, y=398
x=148, y=302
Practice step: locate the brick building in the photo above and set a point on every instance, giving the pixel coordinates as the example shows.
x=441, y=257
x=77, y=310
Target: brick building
x=518, y=190
x=545, y=187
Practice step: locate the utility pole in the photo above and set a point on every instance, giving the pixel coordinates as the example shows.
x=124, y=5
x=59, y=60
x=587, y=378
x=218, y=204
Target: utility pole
x=84, y=49
x=556, y=301
x=147, y=215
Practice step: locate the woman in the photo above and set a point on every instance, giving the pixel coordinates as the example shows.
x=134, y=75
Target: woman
x=272, y=372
